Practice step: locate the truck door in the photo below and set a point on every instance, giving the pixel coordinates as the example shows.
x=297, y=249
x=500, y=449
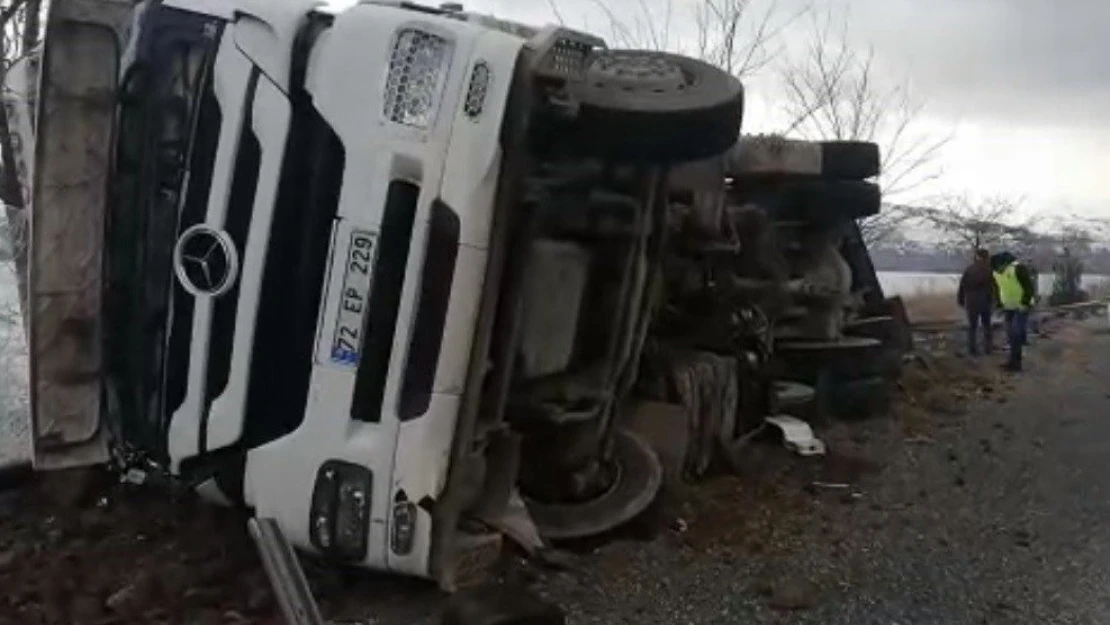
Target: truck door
x=80, y=65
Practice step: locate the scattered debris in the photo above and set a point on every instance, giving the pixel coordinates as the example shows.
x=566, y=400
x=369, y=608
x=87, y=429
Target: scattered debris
x=830, y=486
x=128, y=600
x=516, y=525
x=1023, y=538
x=851, y=498
x=798, y=436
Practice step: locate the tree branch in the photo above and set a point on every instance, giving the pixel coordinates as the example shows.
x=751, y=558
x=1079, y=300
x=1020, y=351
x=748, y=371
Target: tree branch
x=10, y=11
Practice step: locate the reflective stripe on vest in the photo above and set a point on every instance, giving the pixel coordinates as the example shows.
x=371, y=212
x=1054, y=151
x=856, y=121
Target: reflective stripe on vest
x=1010, y=290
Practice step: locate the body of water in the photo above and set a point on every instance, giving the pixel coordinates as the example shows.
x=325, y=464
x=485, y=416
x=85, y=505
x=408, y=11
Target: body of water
x=908, y=283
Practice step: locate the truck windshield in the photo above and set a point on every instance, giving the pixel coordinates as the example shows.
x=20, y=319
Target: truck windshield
x=168, y=126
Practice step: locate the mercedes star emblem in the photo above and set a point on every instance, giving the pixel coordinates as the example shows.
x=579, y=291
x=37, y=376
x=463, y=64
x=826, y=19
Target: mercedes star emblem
x=205, y=261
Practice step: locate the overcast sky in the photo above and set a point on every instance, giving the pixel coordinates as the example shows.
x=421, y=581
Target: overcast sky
x=1024, y=85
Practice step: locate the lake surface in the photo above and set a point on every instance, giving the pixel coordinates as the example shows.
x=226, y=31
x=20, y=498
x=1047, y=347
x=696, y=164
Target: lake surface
x=907, y=283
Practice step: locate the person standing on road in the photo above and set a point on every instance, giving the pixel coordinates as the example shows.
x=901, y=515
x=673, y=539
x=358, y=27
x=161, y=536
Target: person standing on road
x=1015, y=294
x=977, y=293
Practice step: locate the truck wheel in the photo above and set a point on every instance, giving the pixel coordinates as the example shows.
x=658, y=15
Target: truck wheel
x=880, y=328
x=771, y=156
x=846, y=358
x=850, y=160
x=815, y=200
x=639, y=476
x=645, y=106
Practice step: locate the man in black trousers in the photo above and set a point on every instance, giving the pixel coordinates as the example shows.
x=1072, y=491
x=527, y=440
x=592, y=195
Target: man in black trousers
x=1016, y=293
x=977, y=294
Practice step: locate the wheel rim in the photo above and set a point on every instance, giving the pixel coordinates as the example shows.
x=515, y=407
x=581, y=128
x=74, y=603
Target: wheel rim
x=631, y=492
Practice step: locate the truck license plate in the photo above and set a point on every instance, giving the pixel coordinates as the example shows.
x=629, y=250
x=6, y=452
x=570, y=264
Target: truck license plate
x=346, y=347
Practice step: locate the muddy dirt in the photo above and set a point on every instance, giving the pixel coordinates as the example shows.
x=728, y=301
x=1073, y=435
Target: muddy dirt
x=125, y=555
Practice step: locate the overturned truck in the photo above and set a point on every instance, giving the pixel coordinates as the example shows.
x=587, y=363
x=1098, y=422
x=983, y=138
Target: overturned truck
x=406, y=280
x=773, y=312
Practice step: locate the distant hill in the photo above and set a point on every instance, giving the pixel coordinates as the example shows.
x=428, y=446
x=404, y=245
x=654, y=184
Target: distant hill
x=916, y=256
x=901, y=253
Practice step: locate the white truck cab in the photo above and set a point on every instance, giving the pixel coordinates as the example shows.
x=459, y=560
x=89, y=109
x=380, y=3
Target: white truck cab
x=332, y=266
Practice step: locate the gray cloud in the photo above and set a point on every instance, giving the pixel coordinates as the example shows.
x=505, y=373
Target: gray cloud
x=1036, y=60
x=1039, y=61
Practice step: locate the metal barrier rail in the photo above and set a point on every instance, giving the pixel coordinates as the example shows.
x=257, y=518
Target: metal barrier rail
x=925, y=327
x=287, y=578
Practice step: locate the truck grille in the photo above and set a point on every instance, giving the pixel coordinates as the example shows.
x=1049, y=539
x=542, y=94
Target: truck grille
x=296, y=262
x=293, y=281
x=196, y=203
x=385, y=300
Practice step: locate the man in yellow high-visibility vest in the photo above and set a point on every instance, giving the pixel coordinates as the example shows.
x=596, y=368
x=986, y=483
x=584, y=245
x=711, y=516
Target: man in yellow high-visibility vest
x=1015, y=294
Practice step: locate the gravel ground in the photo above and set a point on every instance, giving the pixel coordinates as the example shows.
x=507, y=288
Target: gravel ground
x=997, y=515
x=983, y=503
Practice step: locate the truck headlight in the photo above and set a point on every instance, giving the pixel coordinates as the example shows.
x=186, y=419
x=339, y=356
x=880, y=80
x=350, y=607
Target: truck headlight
x=417, y=71
x=340, y=512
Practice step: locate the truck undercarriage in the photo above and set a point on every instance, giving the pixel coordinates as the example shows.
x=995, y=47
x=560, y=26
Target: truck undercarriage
x=404, y=336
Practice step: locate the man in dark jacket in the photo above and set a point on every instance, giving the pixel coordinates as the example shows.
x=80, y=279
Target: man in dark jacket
x=1016, y=290
x=977, y=294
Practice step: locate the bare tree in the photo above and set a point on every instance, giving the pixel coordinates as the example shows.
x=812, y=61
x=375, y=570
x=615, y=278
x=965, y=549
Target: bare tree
x=19, y=32
x=831, y=92
x=887, y=226
x=1069, y=235
x=967, y=224
x=1079, y=231
x=740, y=36
x=20, y=25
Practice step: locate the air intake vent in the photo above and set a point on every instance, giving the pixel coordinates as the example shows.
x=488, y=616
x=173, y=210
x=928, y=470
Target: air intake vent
x=477, y=90
x=568, y=57
x=417, y=69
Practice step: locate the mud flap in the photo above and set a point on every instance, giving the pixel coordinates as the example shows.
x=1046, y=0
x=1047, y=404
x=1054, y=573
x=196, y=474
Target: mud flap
x=73, y=148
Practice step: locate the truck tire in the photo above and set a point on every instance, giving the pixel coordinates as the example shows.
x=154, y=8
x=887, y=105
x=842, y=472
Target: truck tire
x=816, y=200
x=850, y=160
x=771, y=156
x=880, y=328
x=656, y=107
x=639, y=478
x=848, y=358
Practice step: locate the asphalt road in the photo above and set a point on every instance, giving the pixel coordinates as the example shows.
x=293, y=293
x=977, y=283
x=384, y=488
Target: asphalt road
x=999, y=515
